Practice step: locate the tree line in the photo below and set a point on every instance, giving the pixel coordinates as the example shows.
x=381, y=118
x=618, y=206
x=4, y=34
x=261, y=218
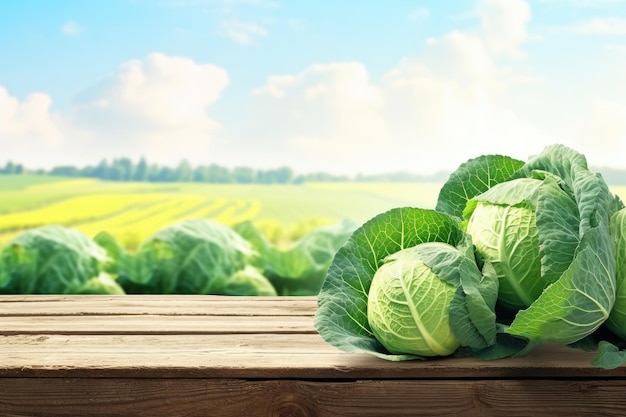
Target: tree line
x=124, y=169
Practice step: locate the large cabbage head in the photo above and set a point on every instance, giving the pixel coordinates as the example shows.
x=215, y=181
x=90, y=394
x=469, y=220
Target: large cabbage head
x=405, y=286
x=408, y=306
x=542, y=228
x=527, y=230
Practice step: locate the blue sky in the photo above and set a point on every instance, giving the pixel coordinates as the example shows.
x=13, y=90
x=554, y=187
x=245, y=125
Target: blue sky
x=340, y=86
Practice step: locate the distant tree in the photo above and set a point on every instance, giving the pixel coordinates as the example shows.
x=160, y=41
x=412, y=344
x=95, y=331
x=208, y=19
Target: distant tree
x=282, y=175
x=141, y=170
x=87, y=171
x=243, y=175
x=153, y=172
x=101, y=170
x=9, y=168
x=201, y=174
x=219, y=174
x=165, y=174
x=319, y=177
x=184, y=172
x=65, y=171
x=115, y=172
x=129, y=168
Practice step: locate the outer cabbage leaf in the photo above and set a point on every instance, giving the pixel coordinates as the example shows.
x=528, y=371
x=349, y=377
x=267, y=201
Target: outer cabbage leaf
x=580, y=300
x=610, y=339
x=473, y=178
x=342, y=319
x=114, y=250
x=617, y=319
x=50, y=260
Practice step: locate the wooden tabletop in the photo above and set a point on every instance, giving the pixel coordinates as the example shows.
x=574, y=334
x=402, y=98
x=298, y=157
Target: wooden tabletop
x=222, y=356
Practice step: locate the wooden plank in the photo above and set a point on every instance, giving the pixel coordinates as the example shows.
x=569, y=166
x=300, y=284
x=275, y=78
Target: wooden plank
x=298, y=398
x=261, y=356
x=40, y=305
x=154, y=324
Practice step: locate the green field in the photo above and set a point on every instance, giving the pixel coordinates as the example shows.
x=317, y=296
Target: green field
x=133, y=211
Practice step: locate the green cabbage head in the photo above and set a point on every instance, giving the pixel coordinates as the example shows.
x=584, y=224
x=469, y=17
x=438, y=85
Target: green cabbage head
x=516, y=224
x=408, y=304
x=406, y=286
x=542, y=229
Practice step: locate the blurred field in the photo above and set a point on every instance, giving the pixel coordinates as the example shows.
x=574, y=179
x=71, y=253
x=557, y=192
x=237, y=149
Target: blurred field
x=133, y=211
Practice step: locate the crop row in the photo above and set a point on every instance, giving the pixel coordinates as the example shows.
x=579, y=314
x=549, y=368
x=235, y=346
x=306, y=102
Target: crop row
x=131, y=218
x=195, y=256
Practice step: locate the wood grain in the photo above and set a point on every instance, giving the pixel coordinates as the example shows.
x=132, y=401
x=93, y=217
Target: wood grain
x=295, y=398
x=154, y=324
x=259, y=356
x=187, y=305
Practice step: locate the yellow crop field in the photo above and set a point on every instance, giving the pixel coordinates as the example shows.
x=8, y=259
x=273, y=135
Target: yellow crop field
x=133, y=211
x=134, y=225
x=239, y=211
x=75, y=210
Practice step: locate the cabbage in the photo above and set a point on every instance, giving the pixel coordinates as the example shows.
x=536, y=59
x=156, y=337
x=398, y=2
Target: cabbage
x=408, y=304
x=542, y=228
x=300, y=269
x=54, y=260
x=362, y=307
x=247, y=281
x=534, y=244
x=515, y=228
x=192, y=257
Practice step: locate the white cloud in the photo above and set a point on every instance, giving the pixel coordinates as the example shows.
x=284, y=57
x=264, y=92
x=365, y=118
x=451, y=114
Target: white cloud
x=460, y=56
x=156, y=105
x=315, y=119
x=71, y=28
x=244, y=33
x=602, y=135
x=28, y=127
x=430, y=112
x=444, y=119
x=455, y=98
x=600, y=26
x=504, y=24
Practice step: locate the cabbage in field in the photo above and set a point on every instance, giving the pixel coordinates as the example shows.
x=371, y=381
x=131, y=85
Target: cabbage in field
x=300, y=269
x=192, y=257
x=54, y=260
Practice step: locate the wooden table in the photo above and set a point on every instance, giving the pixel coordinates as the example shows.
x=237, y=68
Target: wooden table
x=236, y=356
